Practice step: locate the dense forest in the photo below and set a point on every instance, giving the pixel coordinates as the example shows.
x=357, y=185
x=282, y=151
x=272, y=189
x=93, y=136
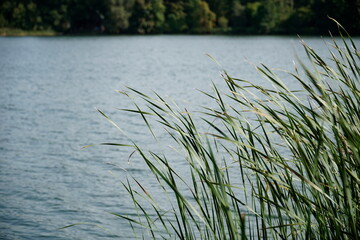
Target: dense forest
x=180, y=16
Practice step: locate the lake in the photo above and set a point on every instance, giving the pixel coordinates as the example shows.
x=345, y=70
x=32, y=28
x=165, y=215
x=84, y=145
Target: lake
x=50, y=88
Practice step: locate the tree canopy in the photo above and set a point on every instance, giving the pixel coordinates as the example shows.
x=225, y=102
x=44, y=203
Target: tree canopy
x=180, y=16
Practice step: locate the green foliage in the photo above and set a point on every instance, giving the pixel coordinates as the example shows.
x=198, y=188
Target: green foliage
x=180, y=16
x=148, y=16
x=223, y=23
x=273, y=14
x=272, y=163
x=175, y=17
x=158, y=9
x=19, y=16
x=254, y=12
x=202, y=19
x=119, y=16
x=58, y=19
x=300, y=18
x=238, y=17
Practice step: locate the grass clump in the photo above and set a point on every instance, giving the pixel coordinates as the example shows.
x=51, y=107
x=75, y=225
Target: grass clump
x=272, y=163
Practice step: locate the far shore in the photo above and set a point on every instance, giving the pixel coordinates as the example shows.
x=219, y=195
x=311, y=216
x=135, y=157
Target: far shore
x=19, y=32
x=15, y=32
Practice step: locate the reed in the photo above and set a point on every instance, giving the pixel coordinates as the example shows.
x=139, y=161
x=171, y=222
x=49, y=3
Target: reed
x=273, y=163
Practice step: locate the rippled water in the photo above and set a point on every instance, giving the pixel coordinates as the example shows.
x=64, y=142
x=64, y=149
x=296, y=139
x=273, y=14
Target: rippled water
x=49, y=89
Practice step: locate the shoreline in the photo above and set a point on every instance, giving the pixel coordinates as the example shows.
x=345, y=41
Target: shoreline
x=15, y=32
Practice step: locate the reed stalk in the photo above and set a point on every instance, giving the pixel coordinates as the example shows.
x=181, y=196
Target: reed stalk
x=273, y=163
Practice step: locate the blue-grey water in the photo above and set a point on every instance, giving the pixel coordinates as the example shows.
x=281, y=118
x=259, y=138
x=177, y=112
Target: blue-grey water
x=50, y=88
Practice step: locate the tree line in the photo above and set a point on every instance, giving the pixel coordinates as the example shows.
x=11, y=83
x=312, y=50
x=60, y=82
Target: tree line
x=180, y=16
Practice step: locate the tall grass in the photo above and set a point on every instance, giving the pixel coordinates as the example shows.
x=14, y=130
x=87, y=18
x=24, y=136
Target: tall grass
x=273, y=163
